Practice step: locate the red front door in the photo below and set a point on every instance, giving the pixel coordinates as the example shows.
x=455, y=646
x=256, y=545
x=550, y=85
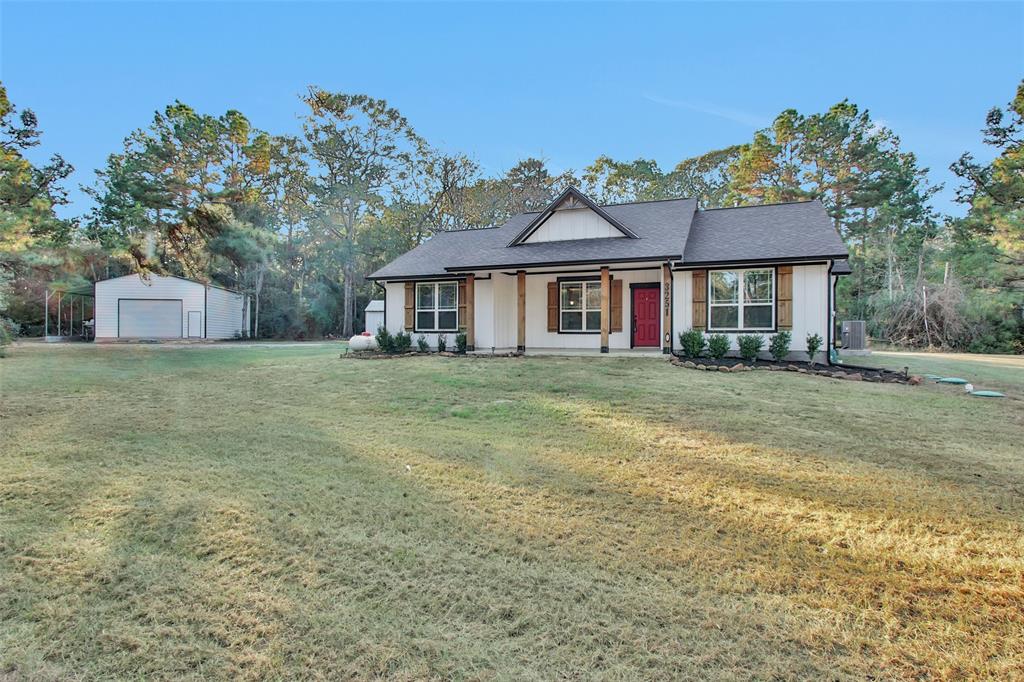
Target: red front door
x=646, y=328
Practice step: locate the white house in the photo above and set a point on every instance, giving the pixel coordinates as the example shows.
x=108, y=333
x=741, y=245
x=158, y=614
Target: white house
x=164, y=307
x=611, y=278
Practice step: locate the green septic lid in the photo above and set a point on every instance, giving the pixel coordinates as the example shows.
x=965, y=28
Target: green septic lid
x=988, y=394
x=952, y=380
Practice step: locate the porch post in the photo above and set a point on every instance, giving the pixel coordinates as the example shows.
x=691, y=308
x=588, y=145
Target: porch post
x=666, y=309
x=606, y=307
x=521, y=328
x=470, y=313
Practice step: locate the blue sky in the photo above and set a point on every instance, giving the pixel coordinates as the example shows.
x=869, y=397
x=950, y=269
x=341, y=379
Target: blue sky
x=497, y=81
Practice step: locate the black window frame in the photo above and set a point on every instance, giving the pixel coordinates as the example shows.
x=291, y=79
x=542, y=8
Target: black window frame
x=739, y=329
x=436, y=309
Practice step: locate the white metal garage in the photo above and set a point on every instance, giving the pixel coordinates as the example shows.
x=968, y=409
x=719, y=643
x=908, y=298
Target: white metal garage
x=161, y=307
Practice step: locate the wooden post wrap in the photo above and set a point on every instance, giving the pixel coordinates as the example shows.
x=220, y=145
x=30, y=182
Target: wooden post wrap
x=606, y=307
x=470, y=312
x=521, y=327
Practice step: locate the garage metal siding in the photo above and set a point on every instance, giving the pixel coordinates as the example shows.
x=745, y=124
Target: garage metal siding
x=225, y=313
x=149, y=319
x=109, y=291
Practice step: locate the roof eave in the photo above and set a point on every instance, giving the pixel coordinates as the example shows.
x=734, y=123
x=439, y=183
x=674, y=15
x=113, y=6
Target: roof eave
x=687, y=265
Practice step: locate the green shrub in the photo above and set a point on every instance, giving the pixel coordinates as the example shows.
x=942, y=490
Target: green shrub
x=814, y=342
x=8, y=330
x=421, y=343
x=442, y=342
x=779, y=346
x=402, y=342
x=750, y=345
x=460, y=342
x=718, y=346
x=385, y=341
x=692, y=343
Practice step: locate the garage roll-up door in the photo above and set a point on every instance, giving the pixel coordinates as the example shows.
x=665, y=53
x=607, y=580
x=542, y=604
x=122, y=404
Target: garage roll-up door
x=148, y=319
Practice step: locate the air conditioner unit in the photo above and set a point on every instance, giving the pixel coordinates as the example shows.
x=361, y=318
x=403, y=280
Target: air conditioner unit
x=855, y=335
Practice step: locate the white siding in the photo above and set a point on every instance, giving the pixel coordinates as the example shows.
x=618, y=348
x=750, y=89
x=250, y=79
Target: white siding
x=225, y=314
x=810, y=307
x=483, y=301
x=576, y=223
x=506, y=312
x=156, y=287
x=682, y=304
x=810, y=304
x=394, y=306
x=374, y=319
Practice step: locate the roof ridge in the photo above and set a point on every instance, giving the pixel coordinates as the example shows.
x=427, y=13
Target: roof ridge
x=622, y=203
x=777, y=203
x=472, y=229
x=646, y=201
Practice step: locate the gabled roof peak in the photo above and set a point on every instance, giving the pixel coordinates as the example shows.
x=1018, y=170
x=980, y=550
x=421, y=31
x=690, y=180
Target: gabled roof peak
x=571, y=198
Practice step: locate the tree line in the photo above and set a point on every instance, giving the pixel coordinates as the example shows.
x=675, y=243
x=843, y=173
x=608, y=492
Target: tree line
x=298, y=221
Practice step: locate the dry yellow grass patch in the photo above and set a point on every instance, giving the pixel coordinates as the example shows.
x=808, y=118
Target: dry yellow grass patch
x=484, y=519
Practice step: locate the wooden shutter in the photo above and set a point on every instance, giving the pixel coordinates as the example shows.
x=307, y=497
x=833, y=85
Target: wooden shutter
x=462, y=304
x=616, y=305
x=700, y=300
x=784, y=297
x=410, y=306
x=552, y=306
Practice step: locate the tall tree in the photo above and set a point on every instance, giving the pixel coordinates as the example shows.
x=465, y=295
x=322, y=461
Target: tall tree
x=994, y=192
x=28, y=195
x=362, y=149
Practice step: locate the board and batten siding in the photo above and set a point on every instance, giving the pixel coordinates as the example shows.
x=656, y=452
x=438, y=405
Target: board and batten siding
x=155, y=287
x=576, y=223
x=226, y=313
x=811, y=291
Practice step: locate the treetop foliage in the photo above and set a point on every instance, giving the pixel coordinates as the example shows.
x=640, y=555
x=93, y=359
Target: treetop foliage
x=299, y=220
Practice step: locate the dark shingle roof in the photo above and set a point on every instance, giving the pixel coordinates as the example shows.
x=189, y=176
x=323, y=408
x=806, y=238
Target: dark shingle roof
x=842, y=267
x=660, y=227
x=771, y=231
x=671, y=229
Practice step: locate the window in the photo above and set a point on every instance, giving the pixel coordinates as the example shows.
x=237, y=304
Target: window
x=580, y=307
x=741, y=299
x=437, y=306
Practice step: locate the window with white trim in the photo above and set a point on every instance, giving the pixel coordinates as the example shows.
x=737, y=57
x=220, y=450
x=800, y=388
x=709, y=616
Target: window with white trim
x=579, y=307
x=437, y=306
x=741, y=300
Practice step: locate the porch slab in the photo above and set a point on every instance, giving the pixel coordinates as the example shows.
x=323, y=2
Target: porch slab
x=589, y=352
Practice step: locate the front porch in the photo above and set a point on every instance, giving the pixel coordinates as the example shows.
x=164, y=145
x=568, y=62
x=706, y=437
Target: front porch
x=577, y=310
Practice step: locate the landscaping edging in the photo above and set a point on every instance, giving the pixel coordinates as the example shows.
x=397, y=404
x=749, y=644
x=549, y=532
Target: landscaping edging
x=831, y=371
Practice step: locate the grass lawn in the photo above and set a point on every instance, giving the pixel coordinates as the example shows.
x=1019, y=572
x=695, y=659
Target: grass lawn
x=277, y=512
x=995, y=372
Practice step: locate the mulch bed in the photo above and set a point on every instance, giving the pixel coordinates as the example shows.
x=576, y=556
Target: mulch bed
x=377, y=355
x=848, y=372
